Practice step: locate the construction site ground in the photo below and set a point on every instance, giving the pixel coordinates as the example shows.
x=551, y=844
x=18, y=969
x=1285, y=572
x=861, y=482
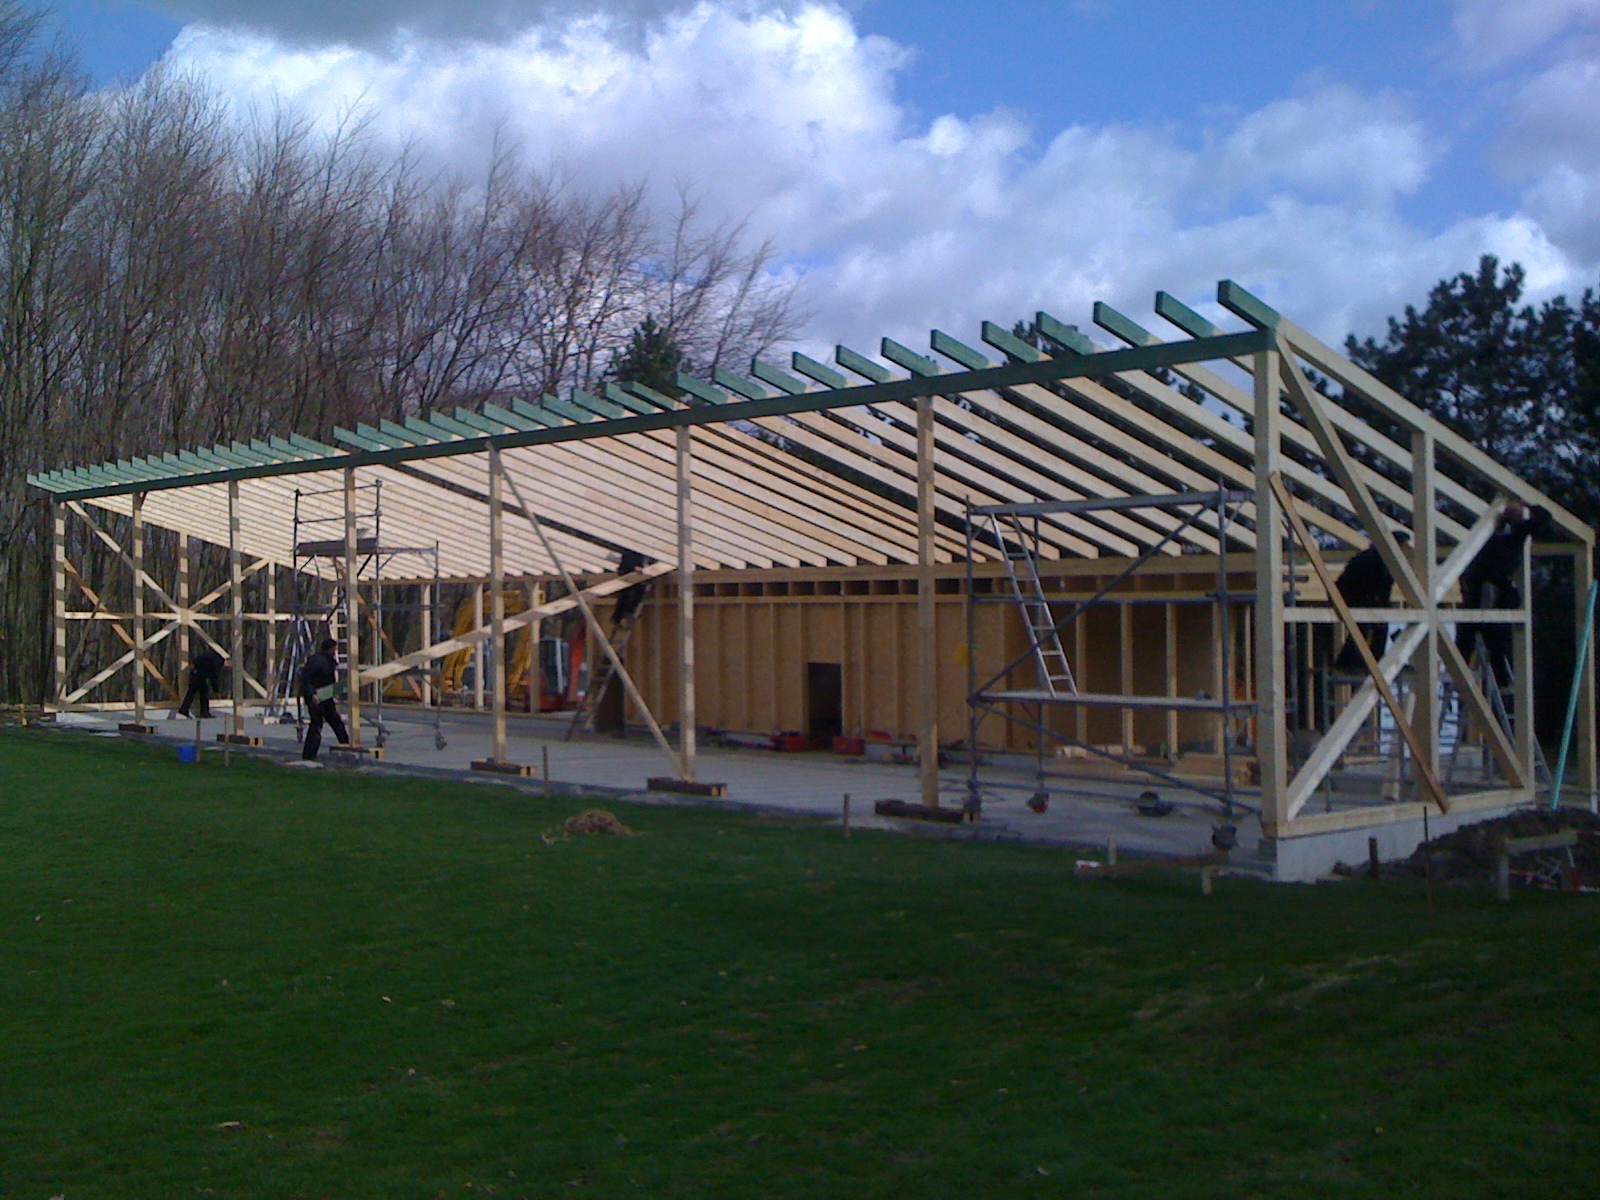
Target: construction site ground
x=1089, y=806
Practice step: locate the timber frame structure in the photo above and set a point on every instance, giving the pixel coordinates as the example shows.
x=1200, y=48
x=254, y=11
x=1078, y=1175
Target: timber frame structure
x=869, y=468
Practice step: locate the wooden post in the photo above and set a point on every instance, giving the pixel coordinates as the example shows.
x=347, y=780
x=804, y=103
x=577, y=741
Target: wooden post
x=352, y=608
x=270, y=584
x=927, y=613
x=1582, y=577
x=1522, y=727
x=186, y=619
x=428, y=638
x=497, y=601
x=59, y=598
x=1424, y=558
x=138, y=609
x=1171, y=616
x=1125, y=672
x=236, y=609
x=1271, y=740
x=477, y=651
x=687, y=716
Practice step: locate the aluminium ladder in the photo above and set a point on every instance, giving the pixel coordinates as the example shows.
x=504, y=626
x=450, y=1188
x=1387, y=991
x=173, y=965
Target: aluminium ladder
x=1055, y=672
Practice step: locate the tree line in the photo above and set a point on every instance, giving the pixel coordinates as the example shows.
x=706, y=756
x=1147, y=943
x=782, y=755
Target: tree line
x=174, y=275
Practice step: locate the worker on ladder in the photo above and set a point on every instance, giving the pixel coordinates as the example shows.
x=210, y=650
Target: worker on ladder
x=1493, y=581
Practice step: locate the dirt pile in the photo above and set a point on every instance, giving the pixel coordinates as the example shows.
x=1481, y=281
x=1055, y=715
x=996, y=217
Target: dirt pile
x=1470, y=853
x=586, y=824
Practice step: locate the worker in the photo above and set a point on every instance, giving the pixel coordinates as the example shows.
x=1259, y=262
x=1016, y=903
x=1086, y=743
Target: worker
x=629, y=599
x=1366, y=582
x=205, y=681
x=319, y=677
x=1493, y=579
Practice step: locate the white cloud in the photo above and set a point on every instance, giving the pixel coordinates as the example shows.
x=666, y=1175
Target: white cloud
x=1493, y=33
x=790, y=118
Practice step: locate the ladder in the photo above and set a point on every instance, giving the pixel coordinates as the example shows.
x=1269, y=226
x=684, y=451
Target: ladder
x=1022, y=569
x=600, y=679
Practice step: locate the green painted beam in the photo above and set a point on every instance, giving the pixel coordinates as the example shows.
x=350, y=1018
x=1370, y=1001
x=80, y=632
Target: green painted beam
x=739, y=385
x=904, y=356
x=1105, y=362
x=571, y=412
x=1062, y=334
x=812, y=369
x=482, y=424
x=536, y=413
x=450, y=428
x=772, y=376
x=658, y=401
x=605, y=409
x=701, y=390
x=1010, y=344
x=399, y=433
x=958, y=352
x=860, y=364
x=254, y=457
x=1242, y=304
x=626, y=399
x=1170, y=308
x=1122, y=327
x=351, y=438
x=510, y=419
x=310, y=446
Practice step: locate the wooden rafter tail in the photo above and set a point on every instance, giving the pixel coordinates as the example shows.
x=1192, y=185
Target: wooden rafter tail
x=1353, y=629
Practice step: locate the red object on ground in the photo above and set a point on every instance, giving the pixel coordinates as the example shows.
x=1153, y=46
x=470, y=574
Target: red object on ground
x=849, y=745
x=790, y=742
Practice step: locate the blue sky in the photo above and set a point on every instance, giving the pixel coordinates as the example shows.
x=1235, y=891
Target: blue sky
x=1339, y=156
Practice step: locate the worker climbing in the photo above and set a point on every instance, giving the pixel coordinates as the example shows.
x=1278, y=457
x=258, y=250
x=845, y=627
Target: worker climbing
x=1366, y=582
x=1492, y=581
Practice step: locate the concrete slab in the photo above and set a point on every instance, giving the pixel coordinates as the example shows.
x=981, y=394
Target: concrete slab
x=1084, y=812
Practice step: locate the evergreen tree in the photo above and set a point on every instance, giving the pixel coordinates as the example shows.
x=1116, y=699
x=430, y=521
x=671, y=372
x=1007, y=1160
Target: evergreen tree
x=650, y=358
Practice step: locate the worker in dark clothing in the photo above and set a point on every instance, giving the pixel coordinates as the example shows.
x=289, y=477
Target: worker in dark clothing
x=1366, y=582
x=629, y=599
x=1493, y=581
x=318, y=679
x=205, y=681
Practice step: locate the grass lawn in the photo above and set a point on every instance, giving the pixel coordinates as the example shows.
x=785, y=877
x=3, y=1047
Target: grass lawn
x=396, y=989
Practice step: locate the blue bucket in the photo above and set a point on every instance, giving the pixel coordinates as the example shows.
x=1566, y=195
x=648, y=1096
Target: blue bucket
x=188, y=753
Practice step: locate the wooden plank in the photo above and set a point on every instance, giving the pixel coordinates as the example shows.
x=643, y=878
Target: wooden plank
x=927, y=614
x=687, y=713
x=352, y=615
x=58, y=598
x=235, y=611
x=1425, y=554
x=497, y=601
x=1272, y=751
x=1430, y=779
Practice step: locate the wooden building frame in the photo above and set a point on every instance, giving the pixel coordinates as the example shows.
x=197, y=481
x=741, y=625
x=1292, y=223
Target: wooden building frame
x=870, y=464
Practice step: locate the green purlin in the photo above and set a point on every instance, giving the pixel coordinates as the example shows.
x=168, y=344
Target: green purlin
x=740, y=385
x=812, y=369
x=1242, y=304
x=578, y=416
x=1062, y=334
x=700, y=389
x=399, y=433
x=452, y=426
x=781, y=380
x=904, y=356
x=1010, y=345
x=1170, y=308
x=658, y=400
x=861, y=365
x=509, y=419
x=958, y=352
x=537, y=413
x=351, y=438
x=480, y=423
x=1104, y=362
x=601, y=408
x=626, y=399
x=1119, y=326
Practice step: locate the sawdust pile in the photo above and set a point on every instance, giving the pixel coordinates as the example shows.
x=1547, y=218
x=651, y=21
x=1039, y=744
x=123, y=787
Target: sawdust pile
x=585, y=824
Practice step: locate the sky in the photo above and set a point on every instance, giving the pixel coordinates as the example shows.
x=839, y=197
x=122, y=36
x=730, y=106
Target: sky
x=934, y=163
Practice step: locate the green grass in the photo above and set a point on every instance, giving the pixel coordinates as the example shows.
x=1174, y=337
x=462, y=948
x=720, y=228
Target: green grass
x=399, y=990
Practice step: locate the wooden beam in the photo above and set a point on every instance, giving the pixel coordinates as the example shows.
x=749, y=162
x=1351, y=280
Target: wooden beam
x=1430, y=780
x=686, y=657
x=352, y=608
x=58, y=609
x=1272, y=753
x=236, y=670
x=927, y=612
x=138, y=609
x=497, y=602
x=1425, y=557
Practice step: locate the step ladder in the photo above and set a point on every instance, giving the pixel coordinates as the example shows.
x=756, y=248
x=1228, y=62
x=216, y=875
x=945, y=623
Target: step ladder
x=600, y=679
x=1022, y=570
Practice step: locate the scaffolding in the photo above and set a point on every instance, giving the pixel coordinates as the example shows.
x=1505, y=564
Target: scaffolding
x=1015, y=529
x=318, y=604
